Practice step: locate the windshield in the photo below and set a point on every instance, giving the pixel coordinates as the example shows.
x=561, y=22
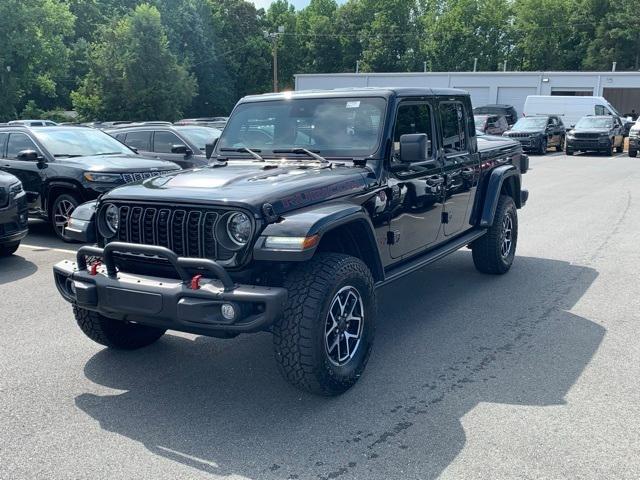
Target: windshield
x=200, y=136
x=594, y=122
x=529, y=123
x=480, y=119
x=79, y=142
x=333, y=127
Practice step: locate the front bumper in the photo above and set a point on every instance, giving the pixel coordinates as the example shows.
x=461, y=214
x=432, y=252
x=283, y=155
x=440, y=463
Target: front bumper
x=634, y=143
x=13, y=220
x=167, y=302
x=588, y=144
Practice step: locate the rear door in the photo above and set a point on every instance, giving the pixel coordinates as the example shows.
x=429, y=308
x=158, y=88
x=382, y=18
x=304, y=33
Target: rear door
x=140, y=140
x=459, y=163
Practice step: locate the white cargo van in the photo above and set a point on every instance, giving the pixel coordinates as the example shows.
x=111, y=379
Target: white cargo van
x=569, y=108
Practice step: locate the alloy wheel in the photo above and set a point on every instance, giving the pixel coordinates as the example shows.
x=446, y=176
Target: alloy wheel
x=344, y=325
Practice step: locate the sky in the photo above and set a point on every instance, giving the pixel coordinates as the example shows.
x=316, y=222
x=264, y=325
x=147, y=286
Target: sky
x=297, y=3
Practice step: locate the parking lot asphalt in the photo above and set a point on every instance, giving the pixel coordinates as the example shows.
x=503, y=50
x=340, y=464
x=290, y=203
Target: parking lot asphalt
x=529, y=375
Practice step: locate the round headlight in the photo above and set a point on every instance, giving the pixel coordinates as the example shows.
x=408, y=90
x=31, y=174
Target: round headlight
x=112, y=217
x=239, y=228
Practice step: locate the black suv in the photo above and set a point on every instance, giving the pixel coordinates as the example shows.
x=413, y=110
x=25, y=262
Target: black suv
x=538, y=133
x=599, y=133
x=312, y=202
x=184, y=145
x=13, y=214
x=508, y=111
x=61, y=167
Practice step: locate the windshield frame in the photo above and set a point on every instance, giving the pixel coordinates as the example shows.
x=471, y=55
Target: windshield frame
x=42, y=134
x=373, y=153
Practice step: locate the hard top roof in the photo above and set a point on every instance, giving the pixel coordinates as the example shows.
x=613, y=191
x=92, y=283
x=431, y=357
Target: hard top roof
x=386, y=92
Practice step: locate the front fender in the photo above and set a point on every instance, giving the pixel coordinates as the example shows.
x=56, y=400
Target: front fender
x=82, y=225
x=499, y=175
x=320, y=220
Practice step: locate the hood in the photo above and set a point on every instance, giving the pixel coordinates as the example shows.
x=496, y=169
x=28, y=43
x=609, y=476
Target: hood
x=286, y=186
x=7, y=179
x=118, y=163
x=603, y=131
x=490, y=142
x=529, y=131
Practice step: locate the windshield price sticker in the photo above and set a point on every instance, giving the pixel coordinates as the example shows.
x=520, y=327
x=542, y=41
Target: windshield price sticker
x=353, y=104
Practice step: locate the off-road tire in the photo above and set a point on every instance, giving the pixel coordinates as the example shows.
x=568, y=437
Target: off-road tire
x=299, y=336
x=63, y=197
x=9, y=249
x=115, y=333
x=487, y=255
x=633, y=153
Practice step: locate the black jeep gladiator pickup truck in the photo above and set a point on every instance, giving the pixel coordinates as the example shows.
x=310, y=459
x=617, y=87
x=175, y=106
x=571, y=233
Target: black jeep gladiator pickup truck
x=311, y=202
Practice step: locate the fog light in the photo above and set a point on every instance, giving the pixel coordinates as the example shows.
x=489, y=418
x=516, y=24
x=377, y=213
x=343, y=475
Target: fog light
x=228, y=311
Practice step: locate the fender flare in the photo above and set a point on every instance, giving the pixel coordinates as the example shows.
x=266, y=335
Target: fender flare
x=320, y=220
x=66, y=184
x=497, y=178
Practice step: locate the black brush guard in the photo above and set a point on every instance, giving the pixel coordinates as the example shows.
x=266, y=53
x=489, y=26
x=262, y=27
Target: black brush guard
x=191, y=304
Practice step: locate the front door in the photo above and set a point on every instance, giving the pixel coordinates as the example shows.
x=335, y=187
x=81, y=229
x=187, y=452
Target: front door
x=29, y=172
x=163, y=142
x=459, y=164
x=416, y=191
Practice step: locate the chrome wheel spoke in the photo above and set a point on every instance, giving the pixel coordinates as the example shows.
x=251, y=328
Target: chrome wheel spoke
x=344, y=325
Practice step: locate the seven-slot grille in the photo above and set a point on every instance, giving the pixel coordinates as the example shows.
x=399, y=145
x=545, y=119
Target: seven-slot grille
x=520, y=135
x=587, y=135
x=4, y=197
x=136, y=176
x=189, y=232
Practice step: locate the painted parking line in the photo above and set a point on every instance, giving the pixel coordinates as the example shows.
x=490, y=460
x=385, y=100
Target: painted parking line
x=37, y=248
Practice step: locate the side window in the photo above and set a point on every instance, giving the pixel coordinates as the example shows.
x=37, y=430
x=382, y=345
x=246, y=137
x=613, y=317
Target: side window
x=19, y=142
x=600, y=110
x=3, y=141
x=413, y=118
x=163, y=141
x=139, y=140
x=454, y=136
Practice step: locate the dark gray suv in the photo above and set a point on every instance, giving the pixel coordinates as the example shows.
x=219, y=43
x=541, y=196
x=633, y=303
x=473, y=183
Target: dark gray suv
x=184, y=145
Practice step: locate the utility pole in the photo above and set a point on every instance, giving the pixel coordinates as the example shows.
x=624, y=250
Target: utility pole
x=273, y=36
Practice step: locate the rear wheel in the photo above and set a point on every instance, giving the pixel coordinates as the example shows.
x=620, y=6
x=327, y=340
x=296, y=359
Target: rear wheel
x=323, y=340
x=60, y=213
x=9, y=249
x=568, y=151
x=115, y=333
x=620, y=149
x=633, y=153
x=495, y=250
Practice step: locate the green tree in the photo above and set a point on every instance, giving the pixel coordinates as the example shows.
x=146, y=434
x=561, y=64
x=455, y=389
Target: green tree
x=316, y=29
x=33, y=54
x=133, y=75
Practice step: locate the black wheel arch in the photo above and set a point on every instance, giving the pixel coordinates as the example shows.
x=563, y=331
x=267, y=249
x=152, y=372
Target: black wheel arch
x=502, y=180
x=54, y=188
x=341, y=228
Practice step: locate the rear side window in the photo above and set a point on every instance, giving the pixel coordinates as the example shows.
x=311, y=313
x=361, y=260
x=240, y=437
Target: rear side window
x=139, y=140
x=454, y=136
x=19, y=142
x=3, y=141
x=164, y=141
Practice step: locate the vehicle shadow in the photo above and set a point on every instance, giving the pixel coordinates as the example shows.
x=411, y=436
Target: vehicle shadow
x=41, y=234
x=448, y=339
x=15, y=268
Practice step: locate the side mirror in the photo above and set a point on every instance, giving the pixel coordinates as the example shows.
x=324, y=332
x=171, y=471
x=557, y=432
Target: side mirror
x=28, y=156
x=210, y=147
x=414, y=147
x=181, y=149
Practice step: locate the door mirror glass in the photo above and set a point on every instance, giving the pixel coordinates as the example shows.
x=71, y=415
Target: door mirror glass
x=414, y=147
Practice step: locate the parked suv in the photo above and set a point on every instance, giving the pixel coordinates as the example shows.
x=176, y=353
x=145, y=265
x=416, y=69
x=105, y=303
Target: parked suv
x=538, y=133
x=634, y=139
x=184, y=145
x=508, y=111
x=33, y=123
x=313, y=201
x=596, y=133
x=13, y=214
x=61, y=167
x=491, y=124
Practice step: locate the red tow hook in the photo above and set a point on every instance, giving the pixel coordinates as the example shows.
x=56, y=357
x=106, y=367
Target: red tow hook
x=195, y=282
x=94, y=268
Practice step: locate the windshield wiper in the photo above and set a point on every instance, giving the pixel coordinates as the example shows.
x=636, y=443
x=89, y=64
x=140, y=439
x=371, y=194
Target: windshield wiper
x=309, y=153
x=67, y=155
x=107, y=153
x=253, y=153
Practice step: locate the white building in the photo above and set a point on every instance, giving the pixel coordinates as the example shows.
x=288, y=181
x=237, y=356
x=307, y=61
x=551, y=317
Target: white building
x=622, y=89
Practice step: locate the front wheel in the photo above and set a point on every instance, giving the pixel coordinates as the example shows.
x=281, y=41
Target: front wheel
x=323, y=340
x=543, y=147
x=60, y=213
x=115, y=334
x=9, y=249
x=633, y=153
x=560, y=145
x=495, y=250
x=620, y=149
